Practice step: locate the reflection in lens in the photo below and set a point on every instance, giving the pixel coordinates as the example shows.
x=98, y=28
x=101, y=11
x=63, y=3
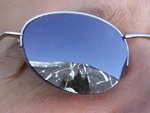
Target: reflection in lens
x=75, y=77
x=78, y=53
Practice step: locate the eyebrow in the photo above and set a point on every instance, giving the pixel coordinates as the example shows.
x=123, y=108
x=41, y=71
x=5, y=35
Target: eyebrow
x=113, y=15
x=97, y=11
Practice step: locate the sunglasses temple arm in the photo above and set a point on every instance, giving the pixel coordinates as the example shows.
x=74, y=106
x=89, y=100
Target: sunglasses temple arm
x=138, y=35
x=135, y=35
x=14, y=34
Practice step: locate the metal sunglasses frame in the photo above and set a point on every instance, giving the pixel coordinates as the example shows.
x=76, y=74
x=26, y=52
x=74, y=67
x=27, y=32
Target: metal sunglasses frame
x=20, y=34
x=124, y=37
x=16, y=34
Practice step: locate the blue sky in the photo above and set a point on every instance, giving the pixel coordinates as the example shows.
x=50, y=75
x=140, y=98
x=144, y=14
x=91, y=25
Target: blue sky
x=75, y=38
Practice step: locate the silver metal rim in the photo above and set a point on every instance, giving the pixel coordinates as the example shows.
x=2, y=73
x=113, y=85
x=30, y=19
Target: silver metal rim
x=69, y=12
x=72, y=12
x=136, y=35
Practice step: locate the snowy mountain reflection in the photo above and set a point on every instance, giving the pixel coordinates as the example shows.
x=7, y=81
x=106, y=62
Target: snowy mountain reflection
x=75, y=77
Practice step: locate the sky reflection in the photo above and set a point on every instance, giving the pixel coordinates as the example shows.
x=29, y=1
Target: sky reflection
x=75, y=38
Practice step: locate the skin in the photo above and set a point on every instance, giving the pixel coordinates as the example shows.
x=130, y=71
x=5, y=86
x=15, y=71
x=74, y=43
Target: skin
x=22, y=91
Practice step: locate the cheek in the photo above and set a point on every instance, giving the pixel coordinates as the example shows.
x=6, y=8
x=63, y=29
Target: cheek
x=67, y=104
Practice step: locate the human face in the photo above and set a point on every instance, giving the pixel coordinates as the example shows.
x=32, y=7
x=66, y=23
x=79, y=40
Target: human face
x=22, y=91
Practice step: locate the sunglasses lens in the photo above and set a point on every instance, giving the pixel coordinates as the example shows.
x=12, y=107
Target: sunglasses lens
x=76, y=52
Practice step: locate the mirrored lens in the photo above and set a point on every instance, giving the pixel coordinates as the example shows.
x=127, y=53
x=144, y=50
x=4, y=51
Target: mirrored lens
x=75, y=52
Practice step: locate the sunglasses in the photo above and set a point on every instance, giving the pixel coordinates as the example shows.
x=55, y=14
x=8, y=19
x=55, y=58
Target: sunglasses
x=74, y=51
